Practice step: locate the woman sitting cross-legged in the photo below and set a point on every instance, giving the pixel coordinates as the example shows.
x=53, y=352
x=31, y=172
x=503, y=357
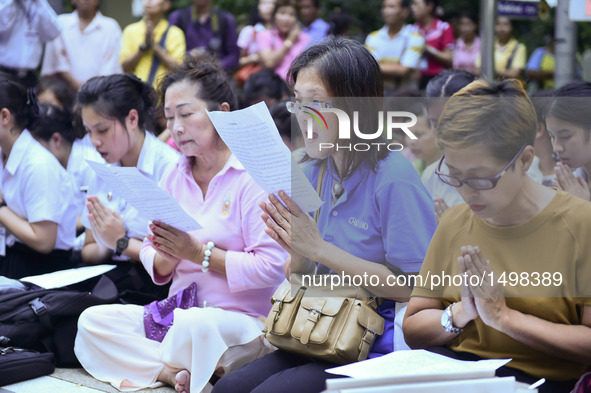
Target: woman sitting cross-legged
x=236, y=267
x=377, y=218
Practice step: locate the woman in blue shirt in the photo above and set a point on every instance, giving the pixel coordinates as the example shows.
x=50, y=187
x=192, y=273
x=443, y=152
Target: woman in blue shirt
x=376, y=221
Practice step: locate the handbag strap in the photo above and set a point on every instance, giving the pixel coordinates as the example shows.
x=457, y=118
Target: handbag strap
x=319, y=184
x=510, y=60
x=369, y=336
x=155, y=59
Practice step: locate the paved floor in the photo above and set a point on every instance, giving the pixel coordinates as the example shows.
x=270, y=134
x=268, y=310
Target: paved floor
x=69, y=381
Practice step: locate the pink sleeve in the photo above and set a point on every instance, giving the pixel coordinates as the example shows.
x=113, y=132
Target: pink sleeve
x=260, y=265
x=264, y=40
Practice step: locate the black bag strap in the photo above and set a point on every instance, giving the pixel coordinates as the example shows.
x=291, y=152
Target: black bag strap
x=155, y=59
x=513, y=52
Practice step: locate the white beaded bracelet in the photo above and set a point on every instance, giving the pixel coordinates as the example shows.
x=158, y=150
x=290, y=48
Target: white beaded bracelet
x=205, y=263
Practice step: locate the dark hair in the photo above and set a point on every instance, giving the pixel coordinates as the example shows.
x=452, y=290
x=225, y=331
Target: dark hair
x=52, y=119
x=286, y=3
x=316, y=3
x=261, y=84
x=541, y=100
x=254, y=17
x=448, y=82
x=339, y=22
x=20, y=101
x=61, y=89
x=470, y=15
x=348, y=70
x=571, y=103
x=113, y=96
x=282, y=119
x=210, y=78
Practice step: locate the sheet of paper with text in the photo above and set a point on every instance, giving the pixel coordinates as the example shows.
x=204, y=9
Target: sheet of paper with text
x=145, y=196
x=253, y=138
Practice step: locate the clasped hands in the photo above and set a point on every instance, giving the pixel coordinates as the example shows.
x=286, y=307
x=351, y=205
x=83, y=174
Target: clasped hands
x=107, y=226
x=481, y=293
x=173, y=244
x=567, y=181
x=303, y=243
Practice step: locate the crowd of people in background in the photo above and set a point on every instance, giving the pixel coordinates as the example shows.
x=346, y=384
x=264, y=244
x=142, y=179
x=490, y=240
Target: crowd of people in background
x=77, y=87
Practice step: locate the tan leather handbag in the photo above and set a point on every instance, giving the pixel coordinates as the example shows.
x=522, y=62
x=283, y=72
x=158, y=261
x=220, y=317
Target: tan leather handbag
x=337, y=325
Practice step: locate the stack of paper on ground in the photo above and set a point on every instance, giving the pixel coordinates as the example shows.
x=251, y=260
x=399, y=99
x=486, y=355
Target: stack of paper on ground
x=253, y=138
x=421, y=371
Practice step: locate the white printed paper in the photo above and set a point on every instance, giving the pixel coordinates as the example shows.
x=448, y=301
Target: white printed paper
x=145, y=196
x=419, y=363
x=253, y=138
x=67, y=277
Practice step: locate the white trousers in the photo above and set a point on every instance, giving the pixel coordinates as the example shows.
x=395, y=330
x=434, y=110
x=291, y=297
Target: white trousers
x=112, y=346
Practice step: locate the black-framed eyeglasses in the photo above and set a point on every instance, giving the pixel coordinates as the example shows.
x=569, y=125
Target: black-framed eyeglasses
x=477, y=183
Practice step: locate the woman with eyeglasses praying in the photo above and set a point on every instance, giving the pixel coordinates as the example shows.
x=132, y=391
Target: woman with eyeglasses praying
x=377, y=219
x=512, y=263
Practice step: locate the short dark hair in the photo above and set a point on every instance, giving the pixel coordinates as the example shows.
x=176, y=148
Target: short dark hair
x=52, y=119
x=571, y=103
x=62, y=90
x=286, y=3
x=348, y=70
x=448, y=82
x=114, y=96
x=20, y=101
x=264, y=83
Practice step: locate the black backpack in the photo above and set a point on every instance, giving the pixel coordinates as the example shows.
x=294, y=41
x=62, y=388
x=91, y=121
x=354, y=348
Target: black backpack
x=46, y=319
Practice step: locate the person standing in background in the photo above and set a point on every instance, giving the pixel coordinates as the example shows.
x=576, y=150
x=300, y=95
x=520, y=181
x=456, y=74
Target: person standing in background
x=152, y=46
x=88, y=45
x=209, y=30
x=439, y=39
x=25, y=25
x=316, y=27
x=397, y=47
x=467, y=47
x=510, y=55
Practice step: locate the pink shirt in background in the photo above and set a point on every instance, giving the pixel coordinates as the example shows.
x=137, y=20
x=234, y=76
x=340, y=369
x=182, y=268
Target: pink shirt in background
x=270, y=39
x=464, y=58
x=230, y=217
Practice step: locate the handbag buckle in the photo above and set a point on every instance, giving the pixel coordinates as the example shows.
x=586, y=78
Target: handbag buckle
x=314, y=314
x=277, y=307
x=365, y=336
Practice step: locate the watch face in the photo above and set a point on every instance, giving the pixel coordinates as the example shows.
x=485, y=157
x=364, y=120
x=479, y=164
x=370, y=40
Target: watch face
x=122, y=243
x=444, y=319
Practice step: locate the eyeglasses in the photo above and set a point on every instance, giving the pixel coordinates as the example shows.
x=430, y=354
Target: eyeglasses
x=477, y=183
x=294, y=106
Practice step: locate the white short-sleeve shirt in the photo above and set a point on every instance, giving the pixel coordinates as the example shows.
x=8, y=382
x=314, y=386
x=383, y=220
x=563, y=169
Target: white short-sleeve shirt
x=37, y=188
x=84, y=54
x=156, y=158
x=82, y=150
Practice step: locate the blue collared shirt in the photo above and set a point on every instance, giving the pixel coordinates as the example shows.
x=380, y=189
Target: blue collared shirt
x=384, y=216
